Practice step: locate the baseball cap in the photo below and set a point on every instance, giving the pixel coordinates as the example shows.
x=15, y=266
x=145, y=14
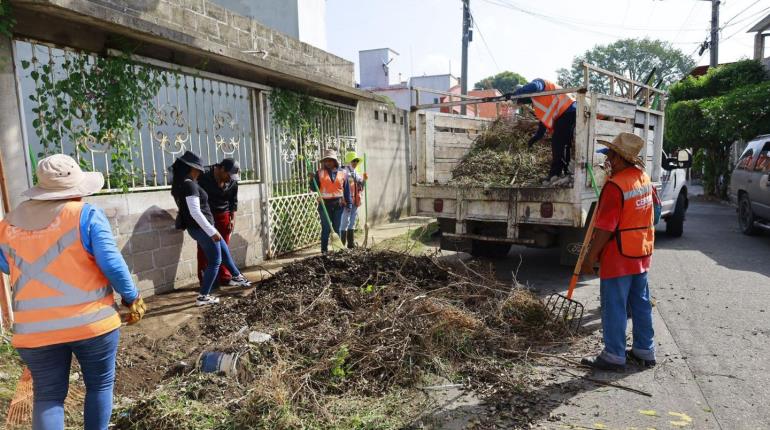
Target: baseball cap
x=232, y=167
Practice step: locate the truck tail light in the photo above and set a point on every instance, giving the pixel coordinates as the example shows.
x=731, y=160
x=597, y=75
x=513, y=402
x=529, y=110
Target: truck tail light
x=438, y=205
x=546, y=210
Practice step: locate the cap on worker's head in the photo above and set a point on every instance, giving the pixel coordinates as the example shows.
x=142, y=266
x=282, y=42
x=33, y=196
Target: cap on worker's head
x=232, y=168
x=330, y=154
x=351, y=156
x=59, y=177
x=627, y=145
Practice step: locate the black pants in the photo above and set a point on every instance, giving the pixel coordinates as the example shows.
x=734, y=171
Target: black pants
x=561, y=143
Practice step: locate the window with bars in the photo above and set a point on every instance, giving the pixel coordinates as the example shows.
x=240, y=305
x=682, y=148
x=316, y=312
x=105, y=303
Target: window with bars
x=209, y=116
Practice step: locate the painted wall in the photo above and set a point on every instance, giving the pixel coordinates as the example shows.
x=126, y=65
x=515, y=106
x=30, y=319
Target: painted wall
x=384, y=139
x=373, y=69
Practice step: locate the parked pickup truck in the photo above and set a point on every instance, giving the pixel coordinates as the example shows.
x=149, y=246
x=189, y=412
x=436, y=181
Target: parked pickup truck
x=487, y=220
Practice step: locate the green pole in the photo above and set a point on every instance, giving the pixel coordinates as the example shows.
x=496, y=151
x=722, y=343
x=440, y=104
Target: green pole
x=366, y=208
x=593, y=180
x=322, y=203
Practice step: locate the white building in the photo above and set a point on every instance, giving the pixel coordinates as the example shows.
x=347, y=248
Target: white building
x=301, y=19
x=375, y=76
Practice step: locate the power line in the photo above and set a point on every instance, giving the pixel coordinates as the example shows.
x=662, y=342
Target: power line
x=737, y=14
x=574, y=22
x=686, y=20
x=483, y=39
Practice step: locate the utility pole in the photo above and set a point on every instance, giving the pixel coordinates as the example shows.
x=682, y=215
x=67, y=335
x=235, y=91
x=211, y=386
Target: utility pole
x=714, y=40
x=466, y=38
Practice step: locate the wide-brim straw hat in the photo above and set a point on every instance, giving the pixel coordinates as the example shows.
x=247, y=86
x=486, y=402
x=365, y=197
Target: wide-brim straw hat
x=59, y=177
x=628, y=146
x=330, y=154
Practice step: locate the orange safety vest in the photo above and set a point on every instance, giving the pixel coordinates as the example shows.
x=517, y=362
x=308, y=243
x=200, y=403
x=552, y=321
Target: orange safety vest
x=356, y=190
x=59, y=293
x=332, y=189
x=635, y=234
x=549, y=108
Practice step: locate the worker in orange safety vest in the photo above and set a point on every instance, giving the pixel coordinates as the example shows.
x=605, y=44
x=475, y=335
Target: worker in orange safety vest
x=64, y=266
x=623, y=243
x=556, y=113
x=333, y=192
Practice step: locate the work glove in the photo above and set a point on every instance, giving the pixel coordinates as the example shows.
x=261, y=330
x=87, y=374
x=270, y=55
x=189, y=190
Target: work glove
x=366, y=176
x=136, y=310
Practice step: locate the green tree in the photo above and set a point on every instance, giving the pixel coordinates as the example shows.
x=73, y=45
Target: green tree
x=632, y=58
x=505, y=82
x=710, y=113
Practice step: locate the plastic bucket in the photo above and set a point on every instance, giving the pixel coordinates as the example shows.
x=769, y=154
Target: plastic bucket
x=220, y=362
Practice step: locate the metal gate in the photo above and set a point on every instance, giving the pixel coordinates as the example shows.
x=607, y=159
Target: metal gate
x=292, y=209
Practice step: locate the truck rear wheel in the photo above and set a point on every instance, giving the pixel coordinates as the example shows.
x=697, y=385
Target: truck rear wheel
x=483, y=248
x=675, y=223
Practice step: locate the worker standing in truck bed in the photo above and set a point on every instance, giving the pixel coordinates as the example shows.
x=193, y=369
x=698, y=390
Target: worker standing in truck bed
x=556, y=114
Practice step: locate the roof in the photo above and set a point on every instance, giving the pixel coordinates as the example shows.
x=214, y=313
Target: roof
x=762, y=25
x=378, y=49
x=435, y=76
x=702, y=70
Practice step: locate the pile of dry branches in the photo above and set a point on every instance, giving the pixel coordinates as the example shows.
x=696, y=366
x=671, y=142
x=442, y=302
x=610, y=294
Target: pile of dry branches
x=371, y=320
x=500, y=156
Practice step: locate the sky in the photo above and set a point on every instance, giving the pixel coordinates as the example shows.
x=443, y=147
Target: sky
x=533, y=38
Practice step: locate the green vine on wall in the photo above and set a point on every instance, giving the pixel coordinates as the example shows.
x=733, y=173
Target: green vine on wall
x=298, y=113
x=97, y=102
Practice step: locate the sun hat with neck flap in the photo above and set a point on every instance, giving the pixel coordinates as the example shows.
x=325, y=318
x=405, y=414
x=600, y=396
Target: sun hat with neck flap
x=59, y=177
x=59, y=180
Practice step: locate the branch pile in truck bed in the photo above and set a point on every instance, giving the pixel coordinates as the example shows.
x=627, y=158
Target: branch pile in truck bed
x=500, y=156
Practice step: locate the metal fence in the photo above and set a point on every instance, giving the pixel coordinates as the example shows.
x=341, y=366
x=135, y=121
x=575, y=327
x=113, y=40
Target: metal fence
x=210, y=117
x=292, y=208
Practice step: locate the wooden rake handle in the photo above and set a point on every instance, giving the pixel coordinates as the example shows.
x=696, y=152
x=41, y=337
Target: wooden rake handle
x=582, y=256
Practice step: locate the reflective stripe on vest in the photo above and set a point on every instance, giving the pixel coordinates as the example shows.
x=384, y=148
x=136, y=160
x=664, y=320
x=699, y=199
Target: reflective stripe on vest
x=355, y=189
x=635, y=234
x=332, y=189
x=549, y=108
x=59, y=293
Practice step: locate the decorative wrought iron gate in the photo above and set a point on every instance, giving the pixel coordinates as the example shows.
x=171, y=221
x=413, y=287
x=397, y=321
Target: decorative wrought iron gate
x=292, y=208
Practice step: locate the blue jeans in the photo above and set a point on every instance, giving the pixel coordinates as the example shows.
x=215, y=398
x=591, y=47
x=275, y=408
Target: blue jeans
x=334, y=210
x=349, y=218
x=616, y=295
x=50, y=368
x=217, y=254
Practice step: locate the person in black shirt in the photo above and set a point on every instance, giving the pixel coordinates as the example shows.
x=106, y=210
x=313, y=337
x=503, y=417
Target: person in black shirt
x=220, y=182
x=196, y=217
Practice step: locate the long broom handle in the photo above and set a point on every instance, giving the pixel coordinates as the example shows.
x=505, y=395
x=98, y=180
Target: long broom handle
x=366, y=198
x=587, y=239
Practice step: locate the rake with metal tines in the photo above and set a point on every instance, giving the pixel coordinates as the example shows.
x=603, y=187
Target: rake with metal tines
x=564, y=309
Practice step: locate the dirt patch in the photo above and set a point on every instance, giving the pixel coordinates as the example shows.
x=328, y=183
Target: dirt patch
x=501, y=157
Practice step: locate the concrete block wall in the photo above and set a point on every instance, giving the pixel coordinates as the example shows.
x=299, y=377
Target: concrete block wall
x=223, y=29
x=159, y=256
x=383, y=135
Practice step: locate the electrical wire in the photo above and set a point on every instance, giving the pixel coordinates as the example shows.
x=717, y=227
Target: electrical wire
x=737, y=14
x=744, y=27
x=483, y=39
x=686, y=20
x=571, y=21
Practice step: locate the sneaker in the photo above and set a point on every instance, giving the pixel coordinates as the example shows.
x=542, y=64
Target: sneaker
x=240, y=281
x=207, y=300
x=633, y=358
x=601, y=364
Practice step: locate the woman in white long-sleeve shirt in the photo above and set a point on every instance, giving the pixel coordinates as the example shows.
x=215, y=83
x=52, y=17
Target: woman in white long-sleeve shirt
x=195, y=216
